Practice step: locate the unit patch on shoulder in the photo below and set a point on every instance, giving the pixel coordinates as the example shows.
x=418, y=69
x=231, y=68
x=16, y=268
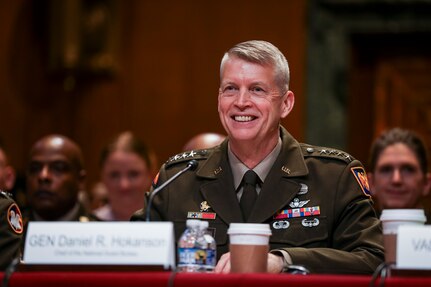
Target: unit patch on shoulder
x=14, y=218
x=155, y=180
x=361, y=178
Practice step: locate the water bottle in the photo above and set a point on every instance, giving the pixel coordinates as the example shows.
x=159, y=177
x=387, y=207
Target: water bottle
x=196, y=248
x=190, y=248
x=210, y=247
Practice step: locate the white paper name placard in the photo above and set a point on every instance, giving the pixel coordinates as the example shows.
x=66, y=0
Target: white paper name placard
x=414, y=247
x=100, y=243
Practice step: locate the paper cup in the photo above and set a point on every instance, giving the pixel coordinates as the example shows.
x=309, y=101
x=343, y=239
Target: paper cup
x=391, y=220
x=249, y=247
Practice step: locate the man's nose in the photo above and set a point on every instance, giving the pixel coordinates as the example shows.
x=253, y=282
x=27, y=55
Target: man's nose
x=396, y=175
x=243, y=97
x=44, y=172
x=44, y=175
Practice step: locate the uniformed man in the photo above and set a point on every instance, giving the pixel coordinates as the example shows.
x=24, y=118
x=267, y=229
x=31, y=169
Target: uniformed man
x=11, y=229
x=55, y=176
x=315, y=199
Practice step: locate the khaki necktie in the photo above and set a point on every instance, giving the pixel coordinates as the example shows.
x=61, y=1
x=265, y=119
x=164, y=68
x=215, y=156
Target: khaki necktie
x=249, y=194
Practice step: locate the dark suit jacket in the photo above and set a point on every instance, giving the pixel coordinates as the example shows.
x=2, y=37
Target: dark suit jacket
x=343, y=237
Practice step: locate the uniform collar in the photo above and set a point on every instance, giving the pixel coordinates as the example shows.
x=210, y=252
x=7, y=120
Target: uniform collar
x=291, y=156
x=289, y=160
x=262, y=169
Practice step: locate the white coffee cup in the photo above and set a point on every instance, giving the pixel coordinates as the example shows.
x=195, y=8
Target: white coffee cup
x=391, y=220
x=249, y=247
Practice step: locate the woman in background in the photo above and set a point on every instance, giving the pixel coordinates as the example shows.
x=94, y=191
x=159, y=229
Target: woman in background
x=127, y=169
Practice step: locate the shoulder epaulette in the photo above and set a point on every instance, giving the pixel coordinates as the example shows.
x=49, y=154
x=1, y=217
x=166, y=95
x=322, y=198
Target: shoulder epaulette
x=188, y=155
x=317, y=151
x=5, y=194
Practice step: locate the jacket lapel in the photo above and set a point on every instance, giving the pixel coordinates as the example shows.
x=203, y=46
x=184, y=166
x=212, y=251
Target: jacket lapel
x=220, y=192
x=279, y=189
x=272, y=198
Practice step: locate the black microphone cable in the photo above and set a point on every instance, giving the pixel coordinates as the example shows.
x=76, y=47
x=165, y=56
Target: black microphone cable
x=10, y=270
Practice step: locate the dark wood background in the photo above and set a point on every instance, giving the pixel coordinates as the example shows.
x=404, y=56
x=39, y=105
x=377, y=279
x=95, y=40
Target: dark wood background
x=91, y=69
x=163, y=79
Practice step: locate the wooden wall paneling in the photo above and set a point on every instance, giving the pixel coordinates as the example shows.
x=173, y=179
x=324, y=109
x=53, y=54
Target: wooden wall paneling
x=164, y=87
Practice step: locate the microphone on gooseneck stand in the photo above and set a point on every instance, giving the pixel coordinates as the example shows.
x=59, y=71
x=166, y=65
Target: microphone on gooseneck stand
x=191, y=165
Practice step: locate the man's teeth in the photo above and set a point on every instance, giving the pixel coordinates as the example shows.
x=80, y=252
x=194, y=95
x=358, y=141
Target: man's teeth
x=243, y=118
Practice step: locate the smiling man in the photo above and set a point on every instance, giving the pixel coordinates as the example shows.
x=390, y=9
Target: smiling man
x=315, y=199
x=399, y=176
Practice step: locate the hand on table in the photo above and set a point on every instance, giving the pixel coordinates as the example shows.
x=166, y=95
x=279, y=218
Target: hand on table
x=275, y=264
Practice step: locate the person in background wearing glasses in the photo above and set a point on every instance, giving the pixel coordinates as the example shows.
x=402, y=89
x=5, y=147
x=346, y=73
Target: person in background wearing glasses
x=315, y=199
x=398, y=175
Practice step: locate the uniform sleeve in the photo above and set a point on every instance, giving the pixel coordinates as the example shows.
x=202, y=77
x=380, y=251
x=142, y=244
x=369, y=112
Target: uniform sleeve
x=356, y=240
x=10, y=232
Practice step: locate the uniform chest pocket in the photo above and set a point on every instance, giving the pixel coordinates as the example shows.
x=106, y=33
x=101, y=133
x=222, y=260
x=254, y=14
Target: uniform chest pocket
x=304, y=231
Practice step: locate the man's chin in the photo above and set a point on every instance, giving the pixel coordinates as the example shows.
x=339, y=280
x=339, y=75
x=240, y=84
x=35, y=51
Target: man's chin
x=47, y=210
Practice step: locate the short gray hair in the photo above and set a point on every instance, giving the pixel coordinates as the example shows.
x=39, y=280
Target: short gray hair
x=263, y=53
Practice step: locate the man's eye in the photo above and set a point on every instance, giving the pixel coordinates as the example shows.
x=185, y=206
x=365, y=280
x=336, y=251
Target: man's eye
x=34, y=167
x=230, y=89
x=258, y=91
x=59, y=167
x=408, y=169
x=385, y=170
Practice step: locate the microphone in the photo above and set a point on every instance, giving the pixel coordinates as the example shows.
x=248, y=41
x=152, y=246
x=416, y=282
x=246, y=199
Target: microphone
x=191, y=165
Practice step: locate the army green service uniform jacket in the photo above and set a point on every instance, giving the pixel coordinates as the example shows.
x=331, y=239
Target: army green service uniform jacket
x=314, y=199
x=11, y=229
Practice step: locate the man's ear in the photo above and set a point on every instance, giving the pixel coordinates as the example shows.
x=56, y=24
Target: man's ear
x=427, y=185
x=288, y=103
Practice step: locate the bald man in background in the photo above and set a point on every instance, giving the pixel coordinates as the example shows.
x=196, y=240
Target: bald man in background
x=55, y=176
x=204, y=141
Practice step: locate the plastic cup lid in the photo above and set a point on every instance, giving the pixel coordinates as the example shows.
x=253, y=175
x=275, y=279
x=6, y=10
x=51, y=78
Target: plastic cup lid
x=249, y=228
x=403, y=215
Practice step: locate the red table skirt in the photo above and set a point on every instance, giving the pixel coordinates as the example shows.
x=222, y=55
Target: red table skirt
x=167, y=279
